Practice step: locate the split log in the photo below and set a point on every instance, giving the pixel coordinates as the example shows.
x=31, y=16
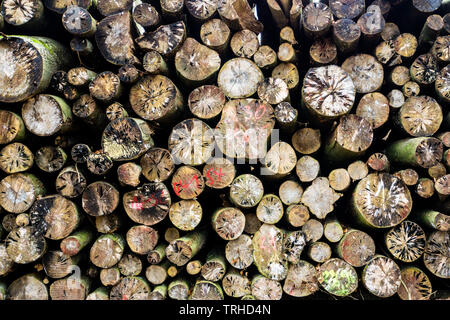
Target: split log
x=166, y=40
x=118, y=50
x=277, y=12
x=195, y=63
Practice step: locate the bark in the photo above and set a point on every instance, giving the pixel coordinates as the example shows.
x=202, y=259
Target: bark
x=32, y=70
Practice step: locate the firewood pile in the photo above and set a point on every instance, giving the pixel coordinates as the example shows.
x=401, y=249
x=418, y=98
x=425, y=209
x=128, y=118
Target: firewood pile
x=224, y=149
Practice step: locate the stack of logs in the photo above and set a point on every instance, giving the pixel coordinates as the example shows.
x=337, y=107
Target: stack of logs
x=217, y=149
